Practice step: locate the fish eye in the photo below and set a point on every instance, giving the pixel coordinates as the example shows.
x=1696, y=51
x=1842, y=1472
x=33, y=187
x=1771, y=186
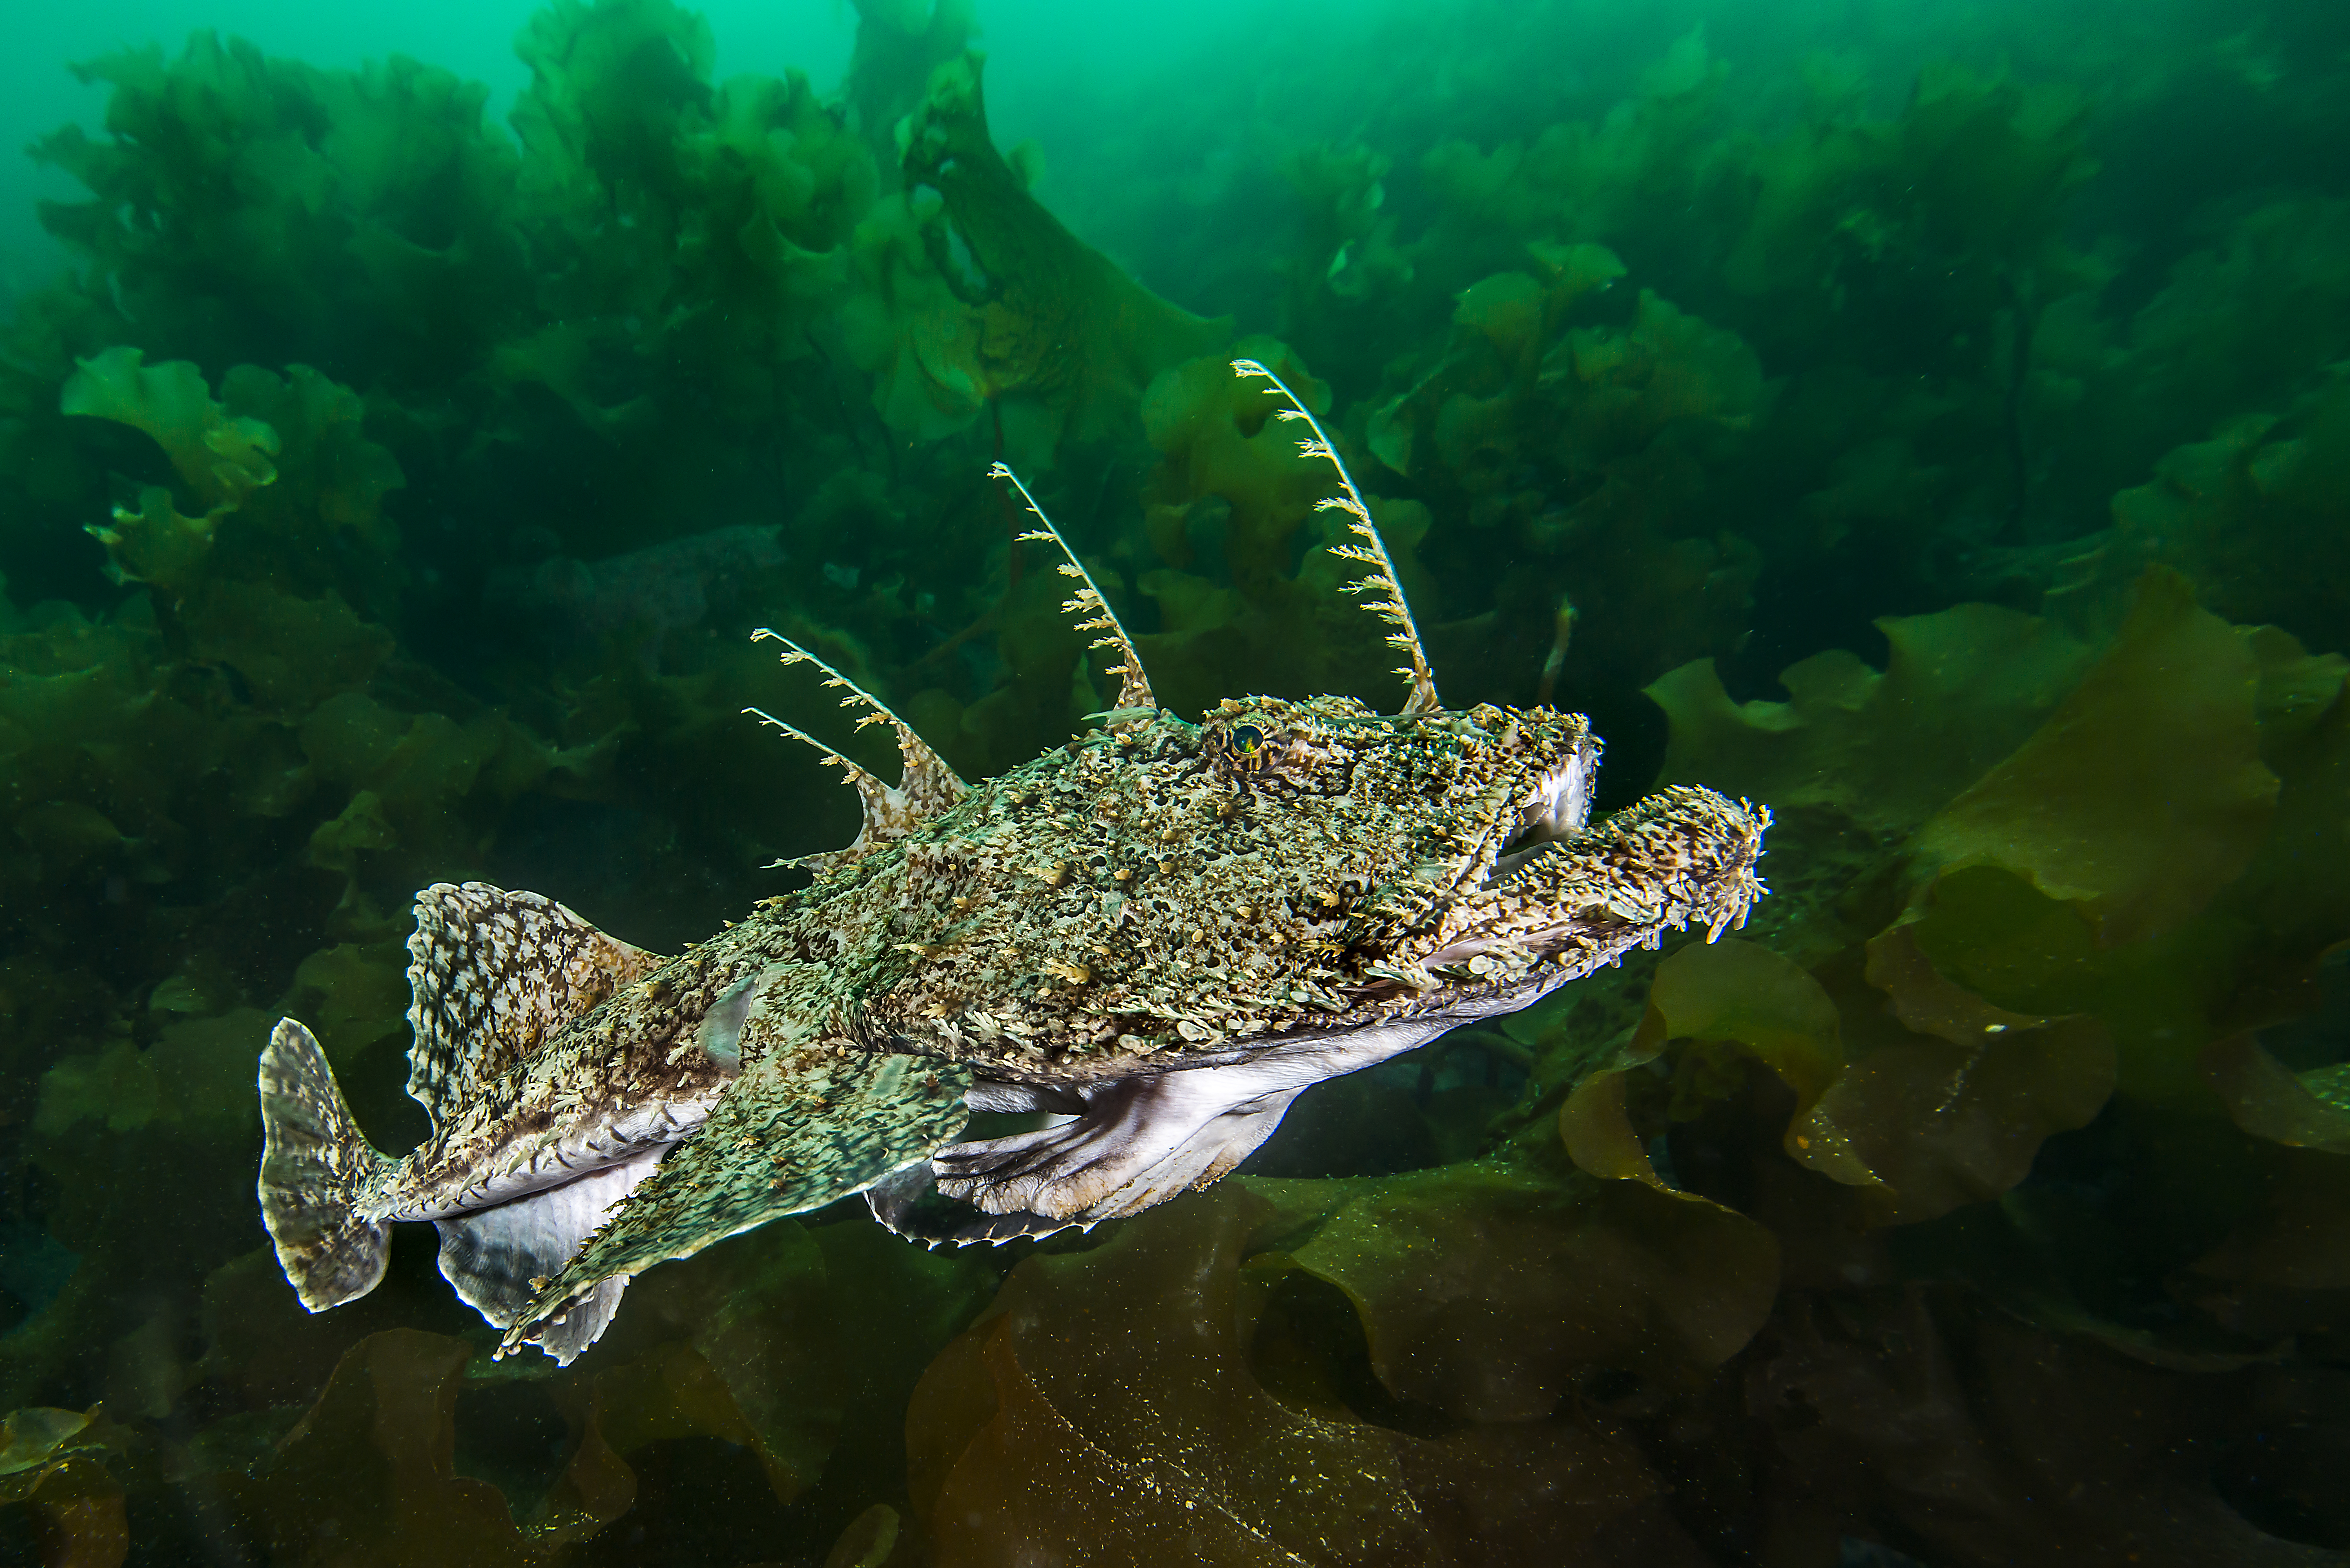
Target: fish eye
x=1248, y=740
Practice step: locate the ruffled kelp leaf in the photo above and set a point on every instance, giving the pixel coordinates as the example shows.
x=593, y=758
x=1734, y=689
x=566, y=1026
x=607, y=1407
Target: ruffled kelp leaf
x=799, y=1346
x=2268, y=1100
x=2297, y=692
x=2290, y=1259
x=155, y=545
x=1346, y=249
x=2297, y=889
x=1217, y=436
x=1584, y=180
x=906, y=328
x=189, y=1075
x=895, y=1308
x=284, y=454
x=2223, y=375
x=1109, y=1398
x=1931, y=1418
x=760, y=1324
x=106, y=749
x=1500, y=327
x=263, y=1353
x=809, y=179
x=609, y=85
x=1021, y=1470
x=1227, y=464
x=2144, y=793
x=336, y=844
x=1960, y=689
x=969, y=292
x=900, y=43
x=1486, y=1292
x=1630, y=418
x=234, y=191
x=331, y=476
x=1952, y=1105
x=53, y=1463
x=870, y=1542
x=145, y=1153
x=1667, y=367
x=223, y=458
x=1974, y=173
x=65, y=833
x=36, y=1434
x=354, y=994
x=292, y=653
x=369, y=1476
x=2283, y=1269
x=1729, y=1000
x=1547, y=1491
x=563, y=359
x=668, y=1393
x=1943, y=1103
x=423, y=784
x=1999, y=938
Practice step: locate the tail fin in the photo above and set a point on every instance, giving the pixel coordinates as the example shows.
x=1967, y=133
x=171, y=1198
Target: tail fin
x=315, y=1164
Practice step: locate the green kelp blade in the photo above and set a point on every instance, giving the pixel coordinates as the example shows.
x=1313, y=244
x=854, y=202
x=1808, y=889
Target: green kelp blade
x=799, y=1130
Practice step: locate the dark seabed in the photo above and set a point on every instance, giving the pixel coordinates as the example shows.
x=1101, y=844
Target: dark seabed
x=1932, y=422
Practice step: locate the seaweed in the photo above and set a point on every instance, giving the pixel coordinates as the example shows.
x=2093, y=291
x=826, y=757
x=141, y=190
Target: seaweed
x=975, y=295
x=1160, y=1423
x=1950, y=458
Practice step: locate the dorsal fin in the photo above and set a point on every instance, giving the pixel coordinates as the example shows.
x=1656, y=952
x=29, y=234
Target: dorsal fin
x=1372, y=552
x=1135, y=702
x=491, y=974
x=925, y=786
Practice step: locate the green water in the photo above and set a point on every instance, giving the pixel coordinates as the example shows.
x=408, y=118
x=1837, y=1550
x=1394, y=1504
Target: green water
x=1929, y=422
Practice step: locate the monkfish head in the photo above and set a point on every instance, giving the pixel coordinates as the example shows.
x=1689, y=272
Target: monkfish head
x=1164, y=890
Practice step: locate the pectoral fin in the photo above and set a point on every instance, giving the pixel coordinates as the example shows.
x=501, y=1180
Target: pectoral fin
x=1138, y=1142
x=798, y=1130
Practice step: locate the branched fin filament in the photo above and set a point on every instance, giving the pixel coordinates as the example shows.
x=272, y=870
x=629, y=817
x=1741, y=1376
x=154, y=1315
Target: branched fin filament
x=925, y=787
x=1372, y=552
x=1092, y=610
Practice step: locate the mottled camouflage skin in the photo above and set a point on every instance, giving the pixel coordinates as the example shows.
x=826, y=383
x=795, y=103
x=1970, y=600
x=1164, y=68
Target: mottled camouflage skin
x=1161, y=891
x=1166, y=931
x=1170, y=895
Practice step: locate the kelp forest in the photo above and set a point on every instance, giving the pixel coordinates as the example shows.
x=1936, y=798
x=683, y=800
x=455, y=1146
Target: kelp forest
x=1945, y=443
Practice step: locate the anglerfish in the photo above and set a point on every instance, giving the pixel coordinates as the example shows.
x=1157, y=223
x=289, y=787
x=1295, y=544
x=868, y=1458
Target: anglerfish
x=1157, y=935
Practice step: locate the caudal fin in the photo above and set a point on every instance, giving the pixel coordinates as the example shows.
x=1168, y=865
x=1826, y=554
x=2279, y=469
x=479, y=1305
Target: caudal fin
x=315, y=1164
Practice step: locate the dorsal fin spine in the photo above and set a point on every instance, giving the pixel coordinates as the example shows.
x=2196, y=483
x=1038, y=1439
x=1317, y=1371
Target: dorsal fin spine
x=1092, y=610
x=857, y=775
x=1372, y=552
x=926, y=786
x=926, y=774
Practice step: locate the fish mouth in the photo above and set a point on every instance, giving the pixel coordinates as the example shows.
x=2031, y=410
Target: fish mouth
x=1682, y=857
x=1558, y=806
